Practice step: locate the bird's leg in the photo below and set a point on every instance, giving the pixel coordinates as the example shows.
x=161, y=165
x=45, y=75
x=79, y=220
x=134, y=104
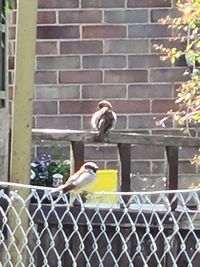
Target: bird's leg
x=83, y=198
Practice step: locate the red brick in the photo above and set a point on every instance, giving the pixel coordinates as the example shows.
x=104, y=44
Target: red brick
x=158, y=167
x=11, y=92
x=102, y=3
x=11, y=63
x=167, y=75
x=46, y=17
x=11, y=77
x=126, y=16
x=96, y=62
x=147, y=61
x=148, y=31
x=58, y=62
x=144, y=91
x=167, y=43
x=141, y=167
x=59, y=122
x=78, y=107
x=101, y=152
x=149, y=3
x=46, y=48
x=58, y=4
x=89, y=76
x=12, y=32
x=147, y=152
x=162, y=106
x=126, y=76
x=103, y=91
x=94, y=16
x=45, y=77
x=188, y=152
x=186, y=167
x=126, y=46
x=11, y=48
x=57, y=32
x=57, y=92
x=45, y=107
x=131, y=106
x=13, y=17
x=158, y=13
x=104, y=31
x=146, y=121
x=81, y=47
x=112, y=165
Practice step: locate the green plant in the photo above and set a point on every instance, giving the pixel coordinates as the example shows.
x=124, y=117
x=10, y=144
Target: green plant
x=61, y=167
x=186, y=32
x=43, y=168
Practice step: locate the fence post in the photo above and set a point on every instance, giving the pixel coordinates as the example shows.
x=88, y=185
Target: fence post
x=172, y=179
x=124, y=151
x=76, y=156
x=22, y=126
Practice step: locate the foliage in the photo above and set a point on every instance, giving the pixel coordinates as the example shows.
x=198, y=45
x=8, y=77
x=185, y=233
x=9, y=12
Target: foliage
x=43, y=168
x=186, y=44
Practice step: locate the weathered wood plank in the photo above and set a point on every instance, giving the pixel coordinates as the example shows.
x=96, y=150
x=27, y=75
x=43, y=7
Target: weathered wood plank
x=114, y=138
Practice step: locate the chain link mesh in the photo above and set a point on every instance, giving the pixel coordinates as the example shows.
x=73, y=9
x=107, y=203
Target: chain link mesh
x=100, y=229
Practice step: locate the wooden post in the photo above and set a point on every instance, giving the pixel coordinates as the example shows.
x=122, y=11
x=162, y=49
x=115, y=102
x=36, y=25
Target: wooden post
x=76, y=156
x=124, y=151
x=22, y=122
x=172, y=179
x=125, y=166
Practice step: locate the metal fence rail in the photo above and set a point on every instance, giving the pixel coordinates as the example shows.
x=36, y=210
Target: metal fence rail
x=101, y=229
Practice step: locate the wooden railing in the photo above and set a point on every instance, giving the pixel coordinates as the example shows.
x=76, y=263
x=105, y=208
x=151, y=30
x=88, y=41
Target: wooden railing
x=123, y=140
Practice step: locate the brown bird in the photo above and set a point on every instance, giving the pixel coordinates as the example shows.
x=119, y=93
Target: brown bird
x=103, y=119
x=81, y=179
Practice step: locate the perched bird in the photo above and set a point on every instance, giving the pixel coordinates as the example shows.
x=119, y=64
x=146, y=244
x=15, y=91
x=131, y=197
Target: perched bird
x=103, y=119
x=79, y=180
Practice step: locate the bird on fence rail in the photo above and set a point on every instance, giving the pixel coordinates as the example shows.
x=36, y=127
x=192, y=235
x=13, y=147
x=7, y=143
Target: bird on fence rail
x=103, y=119
x=85, y=176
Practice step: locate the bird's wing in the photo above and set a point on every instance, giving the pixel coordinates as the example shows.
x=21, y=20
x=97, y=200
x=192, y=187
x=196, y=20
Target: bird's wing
x=107, y=121
x=97, y=117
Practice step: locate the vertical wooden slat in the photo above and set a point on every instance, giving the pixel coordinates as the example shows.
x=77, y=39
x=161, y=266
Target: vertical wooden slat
x=76, y=156
x=124, y=151
x=172, y=179
x=22, y=120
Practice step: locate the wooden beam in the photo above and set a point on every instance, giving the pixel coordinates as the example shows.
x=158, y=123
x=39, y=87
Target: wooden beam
x=22, y=121
x=114, y=137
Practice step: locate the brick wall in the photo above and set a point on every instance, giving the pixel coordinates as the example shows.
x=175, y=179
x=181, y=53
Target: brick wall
x=93, y=49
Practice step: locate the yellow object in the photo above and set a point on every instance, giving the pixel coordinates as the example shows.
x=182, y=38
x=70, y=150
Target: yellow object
x=106, y=181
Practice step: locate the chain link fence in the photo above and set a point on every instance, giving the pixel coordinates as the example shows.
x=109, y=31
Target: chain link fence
x=100, y=229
